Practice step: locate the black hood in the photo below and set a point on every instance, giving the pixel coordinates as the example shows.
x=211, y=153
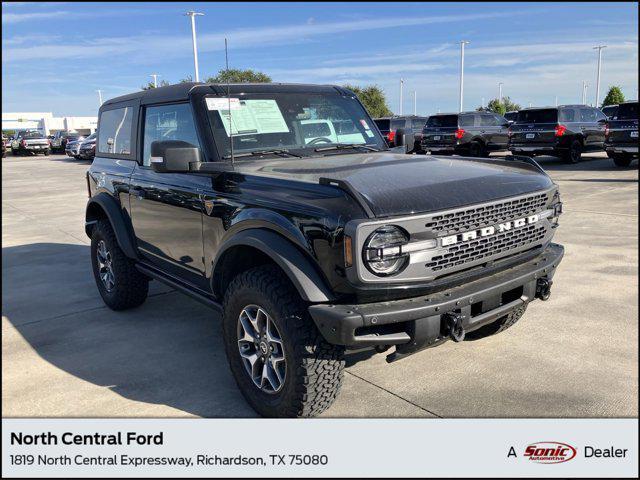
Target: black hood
x=398, y=184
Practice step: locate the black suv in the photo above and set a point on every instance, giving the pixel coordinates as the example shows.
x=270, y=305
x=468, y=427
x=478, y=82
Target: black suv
x=469, y=133
x=621, y=134
x=564, y=131
x=307, y=241
x=411, y=125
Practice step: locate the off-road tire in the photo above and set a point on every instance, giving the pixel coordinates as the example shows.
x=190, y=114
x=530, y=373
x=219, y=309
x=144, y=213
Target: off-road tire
x=573, y=154
x=314, y=368
x=620, y=159
x=47, y=153
x=498, y=326
x=130, y=287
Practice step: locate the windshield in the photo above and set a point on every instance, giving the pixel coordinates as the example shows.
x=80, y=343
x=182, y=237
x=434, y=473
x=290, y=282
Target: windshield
x=92, y=136
x=301, y=122
x=628, y=111
x=549, y=115
x=443, y=121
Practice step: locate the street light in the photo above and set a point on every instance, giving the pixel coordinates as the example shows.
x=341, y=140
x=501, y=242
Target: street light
x=155, y=79
x=99, y=96
x=193, y=15
x=462, y=44
x=500, y=91
x=401, y=84
x=599, y=48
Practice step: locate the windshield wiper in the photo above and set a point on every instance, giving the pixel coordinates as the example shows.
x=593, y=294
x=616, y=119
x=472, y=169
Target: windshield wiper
x=256, y=153
x=344, y=146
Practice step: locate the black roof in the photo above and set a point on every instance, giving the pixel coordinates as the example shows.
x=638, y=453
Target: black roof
x=181, y=91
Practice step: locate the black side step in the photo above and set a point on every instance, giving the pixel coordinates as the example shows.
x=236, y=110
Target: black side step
x=207, y=300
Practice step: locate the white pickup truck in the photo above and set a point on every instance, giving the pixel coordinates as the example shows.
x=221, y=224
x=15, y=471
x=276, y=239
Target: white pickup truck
x=30, y=142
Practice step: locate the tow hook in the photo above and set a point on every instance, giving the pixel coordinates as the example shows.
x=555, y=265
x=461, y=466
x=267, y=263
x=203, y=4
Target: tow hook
x=543, y=289
x=453, y=321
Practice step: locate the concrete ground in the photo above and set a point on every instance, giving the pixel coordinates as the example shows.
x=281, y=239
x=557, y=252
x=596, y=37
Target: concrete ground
x=66, y=355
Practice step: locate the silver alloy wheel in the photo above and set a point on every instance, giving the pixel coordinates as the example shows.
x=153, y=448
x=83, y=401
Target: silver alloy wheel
x=261, y=349
x=105, y=266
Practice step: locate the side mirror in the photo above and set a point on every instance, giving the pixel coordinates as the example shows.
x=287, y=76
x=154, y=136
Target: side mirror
x=399, y=140
x=173, y=156
x=603, y=121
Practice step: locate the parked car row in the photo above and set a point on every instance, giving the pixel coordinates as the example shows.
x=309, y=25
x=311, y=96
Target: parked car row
x=565, y=131
x=73, y=144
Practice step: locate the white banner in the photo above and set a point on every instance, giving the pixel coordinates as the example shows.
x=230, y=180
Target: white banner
x=320, y=448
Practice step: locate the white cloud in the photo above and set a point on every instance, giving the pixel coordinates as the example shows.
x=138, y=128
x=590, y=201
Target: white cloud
x=26, y=17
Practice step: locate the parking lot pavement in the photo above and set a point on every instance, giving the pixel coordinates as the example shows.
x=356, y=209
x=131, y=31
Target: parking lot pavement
x=65, y=354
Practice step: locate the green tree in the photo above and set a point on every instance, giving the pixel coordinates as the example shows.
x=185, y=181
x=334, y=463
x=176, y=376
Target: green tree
x=614, y=96
x=150, y=85
x=496, y=106
x=373, y=99
x=234, y=75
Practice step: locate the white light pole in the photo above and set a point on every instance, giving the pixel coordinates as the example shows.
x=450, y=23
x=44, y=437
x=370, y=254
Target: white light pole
x=584, y=92
x=193, y=15
x=556, y=100
x=415, y=102
x=599, y=48
x=99, y=96
x=462, y=44
x=500, y=91
x=530, y=104
x=401, y=85
x=155, y=79
x=482, y=102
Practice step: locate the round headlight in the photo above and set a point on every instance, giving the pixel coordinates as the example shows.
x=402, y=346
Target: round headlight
x=382, y=252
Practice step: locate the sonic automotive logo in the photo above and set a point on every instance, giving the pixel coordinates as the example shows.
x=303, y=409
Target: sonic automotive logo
x=550, y=452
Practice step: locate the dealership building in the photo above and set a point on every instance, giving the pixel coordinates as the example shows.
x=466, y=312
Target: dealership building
x=47, y=123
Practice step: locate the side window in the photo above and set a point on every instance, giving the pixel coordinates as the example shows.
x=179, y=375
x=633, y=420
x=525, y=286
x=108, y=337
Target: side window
x=500, y=120
x=487, y=121
x=588, y=115
x=418, y=123
x=168, y=122
x=465, y=120
x=568, y=115
x=600, y=115
x=114, y=130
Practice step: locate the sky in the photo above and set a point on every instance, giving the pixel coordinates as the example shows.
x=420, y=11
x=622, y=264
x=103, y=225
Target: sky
x=55, y=55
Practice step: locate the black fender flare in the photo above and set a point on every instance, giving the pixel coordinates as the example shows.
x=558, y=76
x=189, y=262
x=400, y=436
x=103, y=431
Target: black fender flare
x=297, y=266
x=114, y=214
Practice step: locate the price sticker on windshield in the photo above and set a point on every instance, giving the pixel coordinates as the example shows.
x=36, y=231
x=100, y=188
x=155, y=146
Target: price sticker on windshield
x=221, y=103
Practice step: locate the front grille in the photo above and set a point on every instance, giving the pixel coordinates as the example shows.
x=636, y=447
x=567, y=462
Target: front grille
x=480, y=248
x=478, y=217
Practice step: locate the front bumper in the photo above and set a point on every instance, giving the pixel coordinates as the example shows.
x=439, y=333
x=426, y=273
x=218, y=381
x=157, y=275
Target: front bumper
x=419, y=322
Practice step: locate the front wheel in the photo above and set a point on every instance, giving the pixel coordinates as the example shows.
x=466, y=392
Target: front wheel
x=476, y=149
x=120, y=284
x=280, y=361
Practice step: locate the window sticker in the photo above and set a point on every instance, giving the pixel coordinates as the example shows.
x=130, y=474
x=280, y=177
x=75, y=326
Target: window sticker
x=254, y=117
x=367, y=129
x=218, y=103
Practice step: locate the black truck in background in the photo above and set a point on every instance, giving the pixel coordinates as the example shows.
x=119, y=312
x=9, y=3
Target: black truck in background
x=411, y=125
x=469, y=133
x=564, y=131
x=621, y=134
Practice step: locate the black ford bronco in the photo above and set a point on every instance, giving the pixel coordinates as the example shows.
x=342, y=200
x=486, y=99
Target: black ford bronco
x=310, y=238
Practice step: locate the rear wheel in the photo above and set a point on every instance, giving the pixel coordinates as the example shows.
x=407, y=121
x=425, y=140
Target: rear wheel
x=574, y=153
x=476, y=149
x=621, y=159
x=280, y=361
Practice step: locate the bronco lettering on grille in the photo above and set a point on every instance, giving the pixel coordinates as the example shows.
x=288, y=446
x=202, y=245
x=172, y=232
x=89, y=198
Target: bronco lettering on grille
x=488, y=231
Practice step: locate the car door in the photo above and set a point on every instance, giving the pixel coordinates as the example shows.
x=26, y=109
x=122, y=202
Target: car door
x=488, y=129
x=166, y=208
x=501, y=136
x=589, y=127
